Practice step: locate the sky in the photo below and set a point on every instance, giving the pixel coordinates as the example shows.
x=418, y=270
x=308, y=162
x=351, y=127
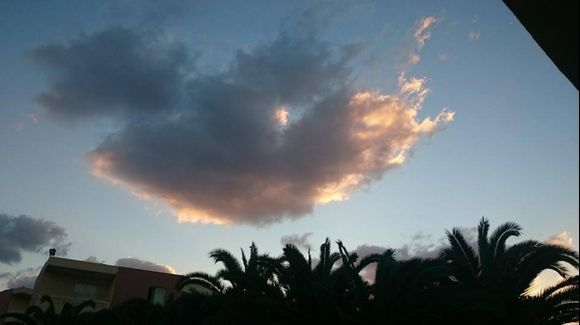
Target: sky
x=146, y=134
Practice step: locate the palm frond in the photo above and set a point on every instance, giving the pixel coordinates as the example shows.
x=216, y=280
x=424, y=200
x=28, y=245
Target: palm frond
x=293, y=255
x=501, y=234
x=203, y=279
x=564, y=296
x=462, y=253
x=253, y=261
x=86, y=304
x=366, y=261
x=227, y=259
x=324, y=257
x=567, y=282
x=482, y=231
x=543, y=257
x=244, y=259
x=50, y=309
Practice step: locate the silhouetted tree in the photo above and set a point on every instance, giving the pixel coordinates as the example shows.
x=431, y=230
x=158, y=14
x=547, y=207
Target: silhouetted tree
x=327, y=292
x=70, y=314
x=494, y=280
x=486, y=282
x=247, y=290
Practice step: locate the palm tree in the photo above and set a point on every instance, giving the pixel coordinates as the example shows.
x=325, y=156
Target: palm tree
x=555, y=305
x=404, y=292
x=498, y=277
x=70, y=314
x=211, y=283
x=246, y=290
x=330, y=292
x=307, y=289
x=17, y=318
x=253, y=274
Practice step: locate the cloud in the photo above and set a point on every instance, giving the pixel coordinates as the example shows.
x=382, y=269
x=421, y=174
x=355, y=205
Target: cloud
x=21, y=278
x=474, y=36
x=112, y=72
x=25, y=234
x=421, y=245
x=423, y=30
x=136, y=263
x=26, y=119
x=413, y=249
x=300, y=241
x=563, y=239
x=368, y=273
x=443, y=56
x=150, y=12
x=93, y=259
x=279, y=131
x=421, y=34
x=425, y=246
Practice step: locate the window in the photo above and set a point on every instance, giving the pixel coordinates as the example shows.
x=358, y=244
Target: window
x=84, y=291
x=157, y=296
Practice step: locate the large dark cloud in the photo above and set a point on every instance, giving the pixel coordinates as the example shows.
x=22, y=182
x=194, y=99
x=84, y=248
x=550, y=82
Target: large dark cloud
x=25, y=234
x=280, y=130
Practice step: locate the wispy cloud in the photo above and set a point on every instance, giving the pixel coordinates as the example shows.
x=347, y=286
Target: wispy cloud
x=443, y=56
x=421, y=34
x=25, y=120
x=25, y=234
x=474, y=36
x=423, y=30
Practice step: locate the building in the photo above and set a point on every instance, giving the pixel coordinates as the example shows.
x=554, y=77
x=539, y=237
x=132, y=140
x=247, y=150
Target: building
x=71, y=281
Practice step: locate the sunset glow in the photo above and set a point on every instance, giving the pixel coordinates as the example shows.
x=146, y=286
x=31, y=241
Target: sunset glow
x=147, y=134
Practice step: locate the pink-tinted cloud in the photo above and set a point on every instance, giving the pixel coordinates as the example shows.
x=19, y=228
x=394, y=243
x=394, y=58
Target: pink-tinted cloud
x=562, y=239
x=422, y=31
x=421, y=34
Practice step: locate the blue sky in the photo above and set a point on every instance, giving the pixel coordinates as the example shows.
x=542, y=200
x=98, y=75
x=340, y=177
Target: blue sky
x=510, y=153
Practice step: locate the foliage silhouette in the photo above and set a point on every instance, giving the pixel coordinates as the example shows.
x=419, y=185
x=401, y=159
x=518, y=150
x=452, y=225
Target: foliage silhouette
x=485, y=282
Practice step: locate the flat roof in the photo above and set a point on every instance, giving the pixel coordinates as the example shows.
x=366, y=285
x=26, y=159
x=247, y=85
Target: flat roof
x=75, y=267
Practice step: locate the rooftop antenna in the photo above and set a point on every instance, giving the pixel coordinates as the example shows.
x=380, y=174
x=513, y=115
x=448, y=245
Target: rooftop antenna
x=52, y=252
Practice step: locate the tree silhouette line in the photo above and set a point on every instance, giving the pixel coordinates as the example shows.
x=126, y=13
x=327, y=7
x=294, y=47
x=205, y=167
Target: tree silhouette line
x=487, y=283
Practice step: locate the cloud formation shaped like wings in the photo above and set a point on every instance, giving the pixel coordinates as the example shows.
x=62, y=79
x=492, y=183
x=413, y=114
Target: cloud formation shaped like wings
x=279, y=131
